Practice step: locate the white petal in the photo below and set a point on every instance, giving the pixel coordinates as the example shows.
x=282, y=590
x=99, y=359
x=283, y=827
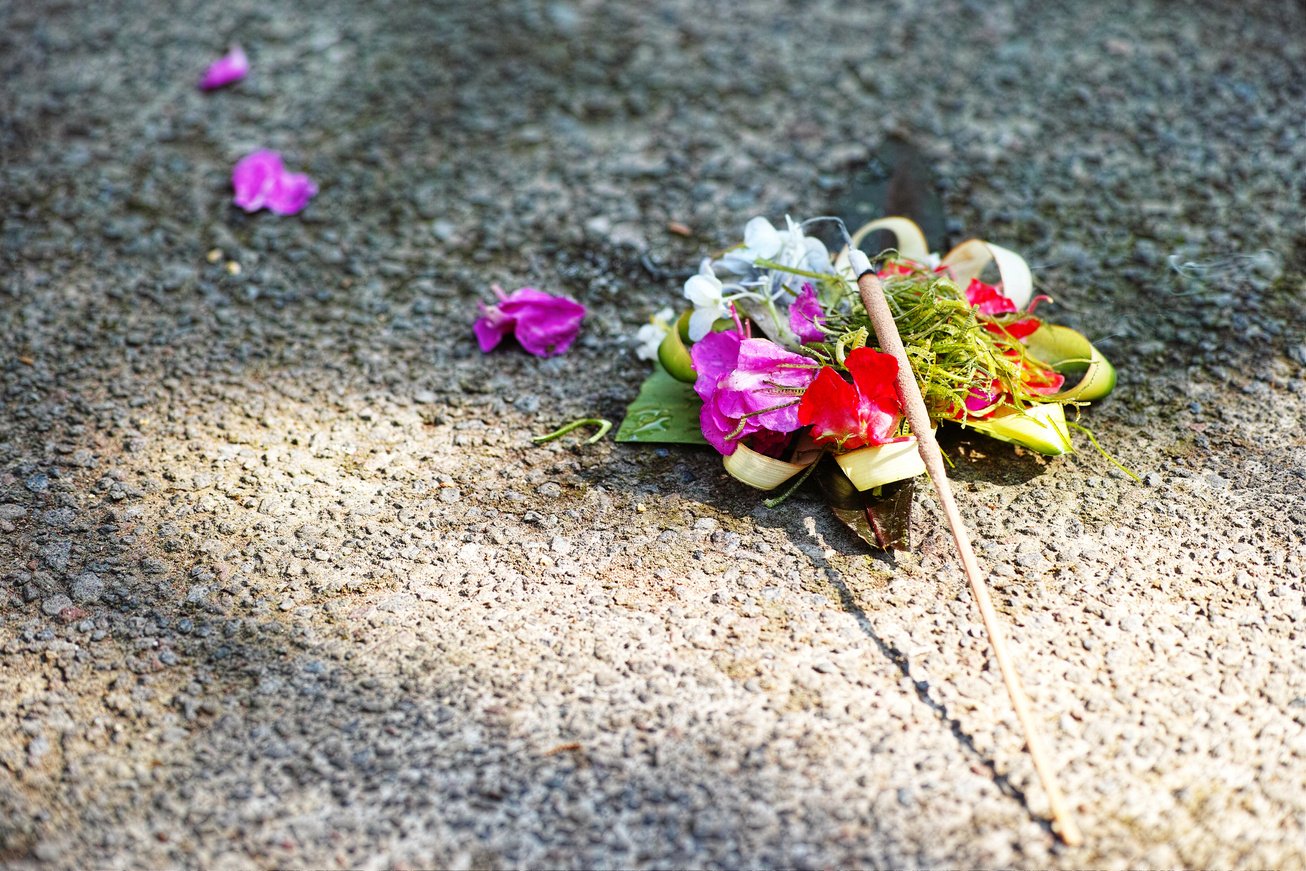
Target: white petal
x=701, y=321
x=649, y=338
x=738, y=262
x=792, y=237
x=761, y=239
x=703, y=291
x=818, y=258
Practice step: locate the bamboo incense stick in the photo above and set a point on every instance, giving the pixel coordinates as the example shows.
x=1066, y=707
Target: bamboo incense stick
x=886, y=331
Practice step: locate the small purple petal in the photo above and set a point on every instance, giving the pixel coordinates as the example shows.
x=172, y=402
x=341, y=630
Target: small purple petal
x=291, y=193
x=544, y=324
x=805, y=315
x=261, y=181
x=254, y=176
x=491, y=327
x=547, y=329
x=231, y=67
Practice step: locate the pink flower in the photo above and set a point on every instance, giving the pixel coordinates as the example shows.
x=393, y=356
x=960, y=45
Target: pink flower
x=806, y=316
x=747, y=386
x=261, y=181
x=866, y=412
x=231, y=67
x=544, y=324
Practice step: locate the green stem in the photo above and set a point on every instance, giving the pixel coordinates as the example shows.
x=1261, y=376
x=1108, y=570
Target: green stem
x=763, y=263
x=1101, y=450
x=771, y=503
x=601, y=423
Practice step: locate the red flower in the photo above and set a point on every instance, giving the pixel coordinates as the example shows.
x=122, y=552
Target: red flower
x=990, y=302
x=896, y=269
x=987, y=299
x=866, y=412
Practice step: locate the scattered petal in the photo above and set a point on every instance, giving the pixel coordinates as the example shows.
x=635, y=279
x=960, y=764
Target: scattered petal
x=231, y=67
x=261, y=181
x=545, y=325
x=491, y=326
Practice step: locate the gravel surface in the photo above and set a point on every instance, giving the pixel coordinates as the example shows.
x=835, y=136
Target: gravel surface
x=284, y=583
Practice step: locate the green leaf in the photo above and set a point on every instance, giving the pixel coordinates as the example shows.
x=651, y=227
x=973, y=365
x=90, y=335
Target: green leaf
x=665, y=412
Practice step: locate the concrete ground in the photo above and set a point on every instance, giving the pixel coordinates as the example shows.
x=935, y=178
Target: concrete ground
x=283, y=581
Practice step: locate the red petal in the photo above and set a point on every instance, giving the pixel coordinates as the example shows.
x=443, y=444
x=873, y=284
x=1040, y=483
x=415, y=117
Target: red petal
x=852, y=416
x=875, y=375
x=828, y=406
x=1042, y=381
x=987, y=299
x=1015, y=330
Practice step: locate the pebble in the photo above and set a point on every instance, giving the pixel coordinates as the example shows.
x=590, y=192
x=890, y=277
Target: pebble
x=11, y=511
x=87, y=587
x=55, y=604
x=56, y=554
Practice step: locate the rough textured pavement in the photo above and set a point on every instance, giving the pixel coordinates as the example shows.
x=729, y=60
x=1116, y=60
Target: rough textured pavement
x=284, y=583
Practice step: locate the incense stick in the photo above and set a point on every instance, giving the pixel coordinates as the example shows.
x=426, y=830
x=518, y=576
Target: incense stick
x=872, y=292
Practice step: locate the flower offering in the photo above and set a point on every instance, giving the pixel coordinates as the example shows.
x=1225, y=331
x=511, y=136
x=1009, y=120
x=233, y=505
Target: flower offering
x=778, y=347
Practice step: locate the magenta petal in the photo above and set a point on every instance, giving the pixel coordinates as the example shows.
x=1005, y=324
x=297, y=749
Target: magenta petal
x=231, y=67
x=546, y=325
x=253, y=178
x=748, y=386
x=491, y=327
x=978, y=400
x=714, y=357
x=716, y=426
x=766, y=385
x=805, y=314
x=290, y=193
x=261, y=181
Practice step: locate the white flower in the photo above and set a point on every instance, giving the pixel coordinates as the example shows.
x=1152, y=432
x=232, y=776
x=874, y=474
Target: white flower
x=801, y=252
x=705, y=292
x=761, y=241
x=788, y=247
x=650, y=336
